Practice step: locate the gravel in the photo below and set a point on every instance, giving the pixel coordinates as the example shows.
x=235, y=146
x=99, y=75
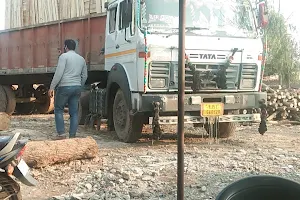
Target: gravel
x=149, y=172
x=146, y=171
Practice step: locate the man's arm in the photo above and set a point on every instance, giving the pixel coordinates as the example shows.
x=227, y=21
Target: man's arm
x=62, y=61
x=84, y=74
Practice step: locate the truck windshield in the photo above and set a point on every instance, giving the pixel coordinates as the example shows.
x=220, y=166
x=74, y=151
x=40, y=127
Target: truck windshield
x=233, y=18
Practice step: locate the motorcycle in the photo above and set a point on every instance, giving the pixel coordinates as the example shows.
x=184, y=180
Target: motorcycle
x=12, y=165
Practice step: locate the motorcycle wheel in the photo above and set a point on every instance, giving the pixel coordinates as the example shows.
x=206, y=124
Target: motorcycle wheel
x=9, y=189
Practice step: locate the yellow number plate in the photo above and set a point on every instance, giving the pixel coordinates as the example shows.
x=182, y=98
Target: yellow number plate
x=212, y=109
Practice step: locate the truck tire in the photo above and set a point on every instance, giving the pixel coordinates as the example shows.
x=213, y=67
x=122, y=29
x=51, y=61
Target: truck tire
x=128, y=128
x=11, y=100
x=226, y=129
x=47, y=104
x=3, y=99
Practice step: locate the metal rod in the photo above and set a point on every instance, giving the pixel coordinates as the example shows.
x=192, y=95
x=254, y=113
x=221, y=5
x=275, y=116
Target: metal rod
x=181, y=92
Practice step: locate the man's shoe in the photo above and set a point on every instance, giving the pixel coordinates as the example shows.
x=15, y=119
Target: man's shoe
x=59, y=137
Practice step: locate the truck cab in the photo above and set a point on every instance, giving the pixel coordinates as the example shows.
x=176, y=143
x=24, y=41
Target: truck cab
x=224, y=55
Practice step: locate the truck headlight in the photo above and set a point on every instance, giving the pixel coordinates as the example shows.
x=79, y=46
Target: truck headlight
x=157, y=83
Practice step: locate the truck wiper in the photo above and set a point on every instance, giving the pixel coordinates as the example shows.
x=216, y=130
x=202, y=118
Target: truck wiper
x=193, y=28
x=188, y=29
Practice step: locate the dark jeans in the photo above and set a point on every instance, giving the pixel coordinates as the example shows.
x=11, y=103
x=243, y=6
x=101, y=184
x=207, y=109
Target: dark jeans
x=67, y=95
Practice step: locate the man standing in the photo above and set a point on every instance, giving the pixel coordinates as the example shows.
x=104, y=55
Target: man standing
x=70, y=76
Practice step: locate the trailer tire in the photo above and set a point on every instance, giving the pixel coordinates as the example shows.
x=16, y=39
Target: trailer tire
x=3, y=99
x=128, y=127
x=11, y=100
x=226, y=129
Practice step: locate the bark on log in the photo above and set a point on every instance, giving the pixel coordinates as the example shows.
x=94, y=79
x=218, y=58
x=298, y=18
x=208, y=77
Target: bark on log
x=4, y=121
x=44, y=153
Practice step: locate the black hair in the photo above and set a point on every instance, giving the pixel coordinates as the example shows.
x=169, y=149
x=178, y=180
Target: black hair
x=70, y=44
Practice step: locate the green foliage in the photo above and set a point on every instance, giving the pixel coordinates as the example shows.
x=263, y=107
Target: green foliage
x=283, y=52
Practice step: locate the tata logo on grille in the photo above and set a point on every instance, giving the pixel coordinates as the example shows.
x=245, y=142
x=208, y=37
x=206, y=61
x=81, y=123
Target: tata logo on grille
x=207, y=56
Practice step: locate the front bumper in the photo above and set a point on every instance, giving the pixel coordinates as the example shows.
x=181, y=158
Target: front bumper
x=232, y=102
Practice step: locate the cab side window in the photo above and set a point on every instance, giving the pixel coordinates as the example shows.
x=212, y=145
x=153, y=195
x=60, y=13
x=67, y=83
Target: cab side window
x=121, y=16
x=112, y=19
x=124, y=9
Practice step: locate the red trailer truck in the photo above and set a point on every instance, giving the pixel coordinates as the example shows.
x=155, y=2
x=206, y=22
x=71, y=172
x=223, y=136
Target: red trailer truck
x=138, y=72
x=28, y=59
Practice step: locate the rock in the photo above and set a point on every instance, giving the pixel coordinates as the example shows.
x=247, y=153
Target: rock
x=95, y=197
x=111, y=177
x=77, y=196
x=135, y=193
x=203, y=189
x=242, y=151
x=146, y=178
x=58, y=198
x=126, y=175
x=89, y=186
x=121, y=180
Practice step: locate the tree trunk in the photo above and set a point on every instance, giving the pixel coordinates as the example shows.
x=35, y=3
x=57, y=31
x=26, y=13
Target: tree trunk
x=44, y=153
x=4, y=121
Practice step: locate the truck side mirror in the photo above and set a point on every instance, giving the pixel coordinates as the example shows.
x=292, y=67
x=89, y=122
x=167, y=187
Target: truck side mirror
x=262, y=15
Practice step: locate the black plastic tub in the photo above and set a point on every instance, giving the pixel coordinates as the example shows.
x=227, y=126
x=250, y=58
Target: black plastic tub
x=261, y=188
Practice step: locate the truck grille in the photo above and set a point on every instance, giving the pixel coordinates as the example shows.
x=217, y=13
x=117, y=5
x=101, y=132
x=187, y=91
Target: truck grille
x=248, y=76
x=159, y=75
x=167, y=72
x=231, y=75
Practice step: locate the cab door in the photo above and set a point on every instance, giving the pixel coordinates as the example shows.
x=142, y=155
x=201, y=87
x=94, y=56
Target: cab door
x=111, y=47
x=127, y=40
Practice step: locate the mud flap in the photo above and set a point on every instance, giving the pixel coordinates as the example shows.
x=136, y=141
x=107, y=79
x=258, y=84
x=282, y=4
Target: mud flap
x=263, y=118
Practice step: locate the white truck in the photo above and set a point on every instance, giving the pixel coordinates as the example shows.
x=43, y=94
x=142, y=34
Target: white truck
x=137, y=69
x=224, y=54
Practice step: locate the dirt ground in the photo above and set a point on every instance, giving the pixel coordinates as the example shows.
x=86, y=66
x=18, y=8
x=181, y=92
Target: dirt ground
x=146, y=171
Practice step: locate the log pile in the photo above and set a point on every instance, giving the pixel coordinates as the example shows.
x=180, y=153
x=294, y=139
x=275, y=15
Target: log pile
x=22, y=13
x=283, y=104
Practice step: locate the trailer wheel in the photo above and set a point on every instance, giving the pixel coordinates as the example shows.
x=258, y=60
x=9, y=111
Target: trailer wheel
x=46, y=103
x=226, y=129
x=11, y=100
x=127, y=127
x=3, y=99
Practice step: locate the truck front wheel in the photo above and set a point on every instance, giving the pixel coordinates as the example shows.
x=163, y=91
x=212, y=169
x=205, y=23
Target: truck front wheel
x=225, y=129
x=127, y=127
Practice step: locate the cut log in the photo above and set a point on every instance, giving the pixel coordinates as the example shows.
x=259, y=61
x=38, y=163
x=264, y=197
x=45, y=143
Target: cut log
x=40, y=154
x=4, y=121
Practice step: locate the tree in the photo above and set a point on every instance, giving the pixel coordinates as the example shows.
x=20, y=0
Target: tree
x=283, y=50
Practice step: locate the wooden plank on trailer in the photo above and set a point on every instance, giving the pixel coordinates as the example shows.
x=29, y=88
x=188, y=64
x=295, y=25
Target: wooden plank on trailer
x=7, y=14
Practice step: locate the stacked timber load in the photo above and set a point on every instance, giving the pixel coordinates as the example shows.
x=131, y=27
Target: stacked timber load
x=283, y=103
x=22, y=13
